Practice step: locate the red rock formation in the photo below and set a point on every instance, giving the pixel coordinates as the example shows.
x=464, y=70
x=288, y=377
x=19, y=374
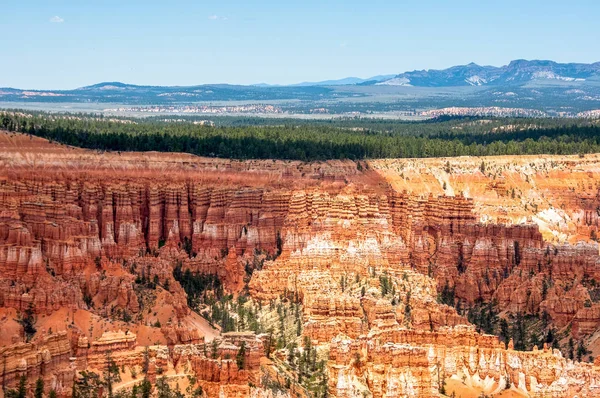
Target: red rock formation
x=365, y=260
x=49, y=358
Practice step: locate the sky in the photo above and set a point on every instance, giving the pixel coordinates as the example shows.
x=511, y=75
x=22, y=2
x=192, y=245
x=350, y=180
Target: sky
x=54, y=44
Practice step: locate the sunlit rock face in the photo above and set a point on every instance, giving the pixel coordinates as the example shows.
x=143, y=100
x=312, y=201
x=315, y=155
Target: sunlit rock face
x=366, y=253
x=368, y=281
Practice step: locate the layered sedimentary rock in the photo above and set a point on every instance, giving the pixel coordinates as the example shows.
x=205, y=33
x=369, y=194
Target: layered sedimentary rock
x=215, y=365
x=365, y=254
x=48, y=359
x=559, y=193
x=93, y=251
x=61, y=225
x=422, y=363
x=386, y=332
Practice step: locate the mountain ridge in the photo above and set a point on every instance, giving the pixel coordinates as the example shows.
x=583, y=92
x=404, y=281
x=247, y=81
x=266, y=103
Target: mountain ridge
x=471, y=74
x=536, y=84
x=516, y=72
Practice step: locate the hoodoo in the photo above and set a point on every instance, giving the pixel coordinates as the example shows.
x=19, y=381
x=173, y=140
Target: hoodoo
x=401, y=278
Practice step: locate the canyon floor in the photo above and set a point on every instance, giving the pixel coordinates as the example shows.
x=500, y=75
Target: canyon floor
x=461, y=277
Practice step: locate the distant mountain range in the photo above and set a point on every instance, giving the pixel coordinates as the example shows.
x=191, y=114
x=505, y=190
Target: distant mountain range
x=339, y=82
x=548, y=85
x=515, y=73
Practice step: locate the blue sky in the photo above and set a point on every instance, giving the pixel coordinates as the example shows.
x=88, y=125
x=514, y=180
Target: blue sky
x=71, y=43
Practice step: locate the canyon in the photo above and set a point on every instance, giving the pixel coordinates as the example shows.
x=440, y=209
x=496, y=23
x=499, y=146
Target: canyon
x=391, y=278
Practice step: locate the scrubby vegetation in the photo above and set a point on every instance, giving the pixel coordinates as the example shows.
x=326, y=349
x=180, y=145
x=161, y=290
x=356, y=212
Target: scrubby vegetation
x=27, y=321
x=525, y=330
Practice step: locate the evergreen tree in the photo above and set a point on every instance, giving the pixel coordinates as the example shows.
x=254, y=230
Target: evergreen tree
x=163, y=390
x=111, y=375
x=20, y=391
x=145, y=388
x=240, y=358
x=39, y=388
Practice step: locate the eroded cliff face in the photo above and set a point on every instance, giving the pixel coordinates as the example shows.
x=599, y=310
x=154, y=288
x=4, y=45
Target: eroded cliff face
x=533, y=251
x=558, y=193
x=451, y=361
x=365, y=269
x=89, y=243
x=48, y=358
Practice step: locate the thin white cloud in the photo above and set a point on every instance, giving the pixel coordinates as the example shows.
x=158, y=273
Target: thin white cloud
x=57, y=19
x=217, y=18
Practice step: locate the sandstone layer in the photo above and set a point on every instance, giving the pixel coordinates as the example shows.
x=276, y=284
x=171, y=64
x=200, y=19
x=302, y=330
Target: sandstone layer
x=89, y=243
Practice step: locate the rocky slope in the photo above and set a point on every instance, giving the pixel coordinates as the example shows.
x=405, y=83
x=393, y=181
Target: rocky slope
x=386, y=267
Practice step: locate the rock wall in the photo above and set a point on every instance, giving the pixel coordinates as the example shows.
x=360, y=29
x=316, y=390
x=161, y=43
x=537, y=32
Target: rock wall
x=421, y=364
x=84, y=235
x=48, y=359
x=368, y=269
x=56, y=228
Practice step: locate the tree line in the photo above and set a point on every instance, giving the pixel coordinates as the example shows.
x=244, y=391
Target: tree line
x=319, y=141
